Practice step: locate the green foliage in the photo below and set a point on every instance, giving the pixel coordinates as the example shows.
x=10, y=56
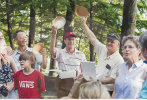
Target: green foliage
x=141, y=24
x=107, y=18
x=142, y=6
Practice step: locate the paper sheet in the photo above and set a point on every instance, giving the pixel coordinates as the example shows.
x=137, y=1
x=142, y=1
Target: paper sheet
x=88, y=70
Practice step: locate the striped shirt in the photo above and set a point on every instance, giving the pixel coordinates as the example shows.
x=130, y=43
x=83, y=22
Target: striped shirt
x=16, y=55
x=69, y=62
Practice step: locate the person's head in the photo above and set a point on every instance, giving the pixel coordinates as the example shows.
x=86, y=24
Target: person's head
x=131, y=48
x=113, y=42
x=143, y=42
x=69, y=39
x=20, y=38
x=93, y=90
x=26, y=59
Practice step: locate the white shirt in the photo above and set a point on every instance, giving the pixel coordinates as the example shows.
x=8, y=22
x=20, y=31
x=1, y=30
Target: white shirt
x=69, y=62
x=112, y=61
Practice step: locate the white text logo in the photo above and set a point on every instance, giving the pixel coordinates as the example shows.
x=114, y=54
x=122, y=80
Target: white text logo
x=26, y=84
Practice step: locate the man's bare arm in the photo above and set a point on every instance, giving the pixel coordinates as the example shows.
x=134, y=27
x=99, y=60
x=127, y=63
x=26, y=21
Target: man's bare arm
x=53, y=41
x=88, y=32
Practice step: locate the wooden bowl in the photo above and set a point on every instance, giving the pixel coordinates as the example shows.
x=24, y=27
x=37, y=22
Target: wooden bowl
x=59, y=22
x=37, y=47
x=81, y=11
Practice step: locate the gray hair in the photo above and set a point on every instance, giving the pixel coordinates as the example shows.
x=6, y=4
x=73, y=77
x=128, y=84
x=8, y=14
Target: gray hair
x=93, y=90
x=134, y=39
x=143, y=40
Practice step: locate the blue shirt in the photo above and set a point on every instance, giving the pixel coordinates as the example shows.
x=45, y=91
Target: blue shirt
x=143, y=92
x=145, y=61
x=16, y=55
x=129, y=81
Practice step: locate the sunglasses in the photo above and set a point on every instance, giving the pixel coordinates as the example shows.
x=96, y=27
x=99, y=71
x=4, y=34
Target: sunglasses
x=22, y=60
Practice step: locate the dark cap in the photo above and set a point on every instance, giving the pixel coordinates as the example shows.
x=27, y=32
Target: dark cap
x=69, y=34
x=143, y=39
x=113, y=36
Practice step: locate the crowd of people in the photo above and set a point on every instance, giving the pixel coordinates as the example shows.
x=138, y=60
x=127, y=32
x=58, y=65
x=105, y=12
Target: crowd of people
x=19, y=70
x=117, y=76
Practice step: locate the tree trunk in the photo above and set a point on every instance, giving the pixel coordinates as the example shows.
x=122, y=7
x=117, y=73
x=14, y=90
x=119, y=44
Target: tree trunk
x=52, y=61
x=69, y=19
x=32, y=26
x=129, y=17
x=9, y=24
x=79, y=42
x=41, y=11
x=92, y=57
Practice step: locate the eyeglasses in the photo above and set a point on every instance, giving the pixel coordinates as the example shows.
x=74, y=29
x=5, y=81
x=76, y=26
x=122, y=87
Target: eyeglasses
x=22, y=60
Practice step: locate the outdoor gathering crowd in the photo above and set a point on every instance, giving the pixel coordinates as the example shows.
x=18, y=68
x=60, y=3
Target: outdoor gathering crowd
x=118, y=76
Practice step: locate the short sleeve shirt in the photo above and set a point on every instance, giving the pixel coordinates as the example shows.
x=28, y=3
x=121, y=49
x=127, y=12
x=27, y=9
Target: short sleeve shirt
x=16, y=55
x=29, y=86
x=69, y=62
x=107, y=65
x=129, y=81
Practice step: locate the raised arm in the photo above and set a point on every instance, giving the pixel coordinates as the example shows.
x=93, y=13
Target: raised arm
x=53, y=41
x=88, y=32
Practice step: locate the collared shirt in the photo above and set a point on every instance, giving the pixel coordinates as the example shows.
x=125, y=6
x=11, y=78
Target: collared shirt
x=107, y=65
x=129, y=81
x=16, y=55
x=69, y=62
